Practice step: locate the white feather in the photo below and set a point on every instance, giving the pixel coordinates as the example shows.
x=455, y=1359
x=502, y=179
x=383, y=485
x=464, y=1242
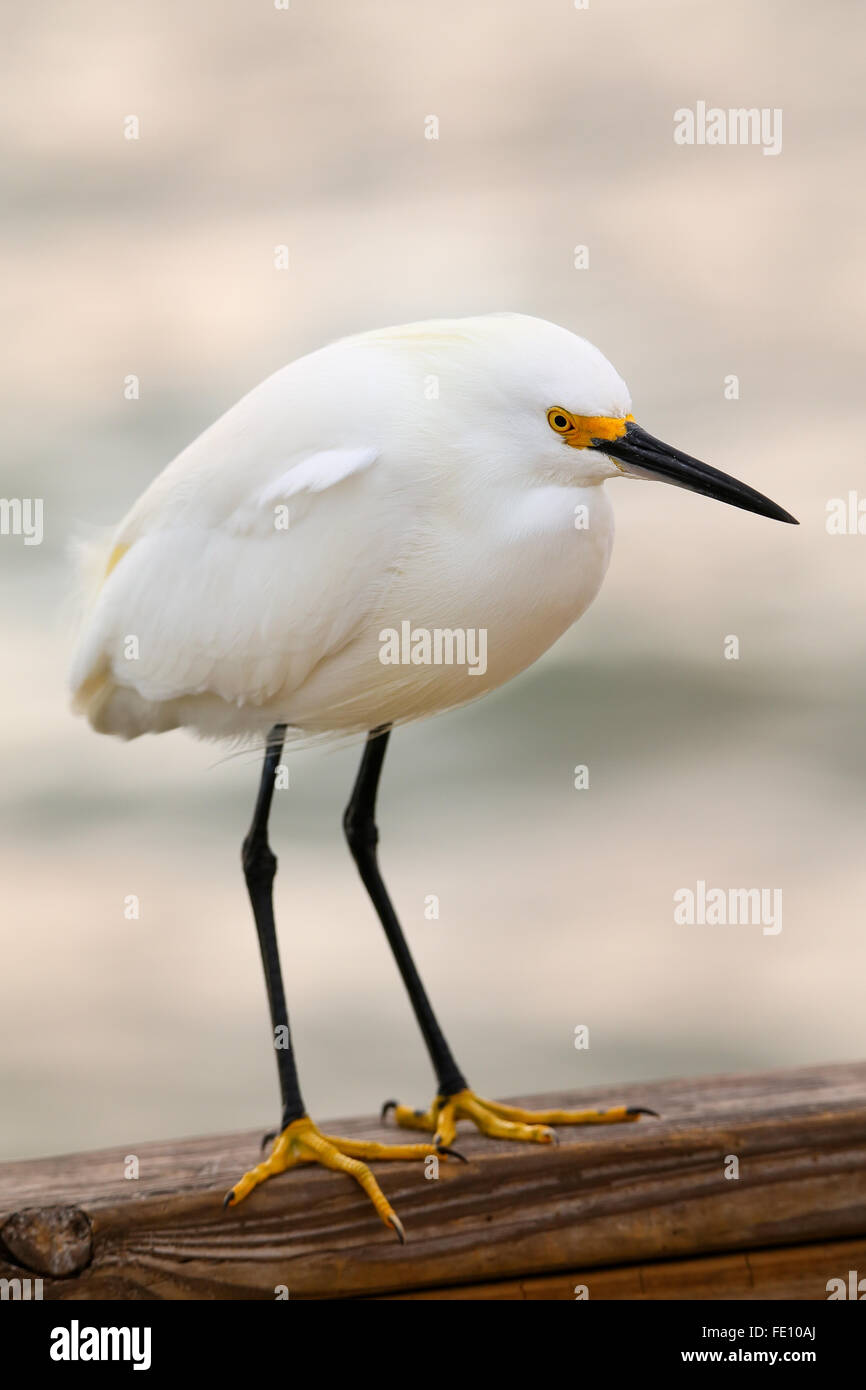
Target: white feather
x=445, y=508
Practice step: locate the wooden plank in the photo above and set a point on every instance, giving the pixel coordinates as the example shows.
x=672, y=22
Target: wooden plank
x=800, y=1273
x=607, y=1196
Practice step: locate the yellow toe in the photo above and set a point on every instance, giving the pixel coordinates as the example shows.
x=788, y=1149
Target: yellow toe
x=617, y=1114
x=489, y=1122
x=408, y=1118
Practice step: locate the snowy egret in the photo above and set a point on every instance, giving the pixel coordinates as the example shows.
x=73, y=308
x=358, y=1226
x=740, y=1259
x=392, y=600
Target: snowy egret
x=384, y=529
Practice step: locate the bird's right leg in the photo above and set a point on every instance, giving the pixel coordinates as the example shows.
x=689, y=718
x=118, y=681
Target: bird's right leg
x=299, y=1140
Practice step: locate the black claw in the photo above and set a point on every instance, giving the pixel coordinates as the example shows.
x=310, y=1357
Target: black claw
x=268, y=1138
x=642, y=1110
x=228, y=1198
x=452, y=1153
x=389, y=1105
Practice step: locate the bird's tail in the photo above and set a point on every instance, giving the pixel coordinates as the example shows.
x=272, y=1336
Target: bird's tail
x=90, y=672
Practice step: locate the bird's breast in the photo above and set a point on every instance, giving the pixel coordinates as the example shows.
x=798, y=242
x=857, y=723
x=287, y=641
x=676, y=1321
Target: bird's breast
x=475, y=599
x=474, y=605
x=537, y=565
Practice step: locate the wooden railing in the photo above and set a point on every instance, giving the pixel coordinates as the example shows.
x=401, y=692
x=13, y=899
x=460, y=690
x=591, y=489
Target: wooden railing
x=746, y=1187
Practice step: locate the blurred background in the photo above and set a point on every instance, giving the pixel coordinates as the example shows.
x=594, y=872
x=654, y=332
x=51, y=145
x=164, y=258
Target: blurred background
x=155, y=257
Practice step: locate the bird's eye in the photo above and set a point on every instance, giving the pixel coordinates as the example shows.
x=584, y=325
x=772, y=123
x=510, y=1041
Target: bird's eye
x=558, y=420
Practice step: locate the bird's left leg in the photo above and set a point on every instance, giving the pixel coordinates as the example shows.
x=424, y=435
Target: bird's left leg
x=454, y=1100
x=299, y=1141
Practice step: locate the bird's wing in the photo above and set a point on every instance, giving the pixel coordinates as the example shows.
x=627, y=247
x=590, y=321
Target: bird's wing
x=238, y=582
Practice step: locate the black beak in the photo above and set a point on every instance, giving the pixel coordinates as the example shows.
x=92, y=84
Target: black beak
x=650, y=458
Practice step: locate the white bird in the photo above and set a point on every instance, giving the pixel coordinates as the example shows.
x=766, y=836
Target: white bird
x=382, y=530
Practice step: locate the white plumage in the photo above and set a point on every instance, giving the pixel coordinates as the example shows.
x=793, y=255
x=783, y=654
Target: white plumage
x=421, y=482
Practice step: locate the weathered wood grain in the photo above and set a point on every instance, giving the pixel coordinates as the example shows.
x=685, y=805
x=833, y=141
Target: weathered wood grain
x=800, y=1273
x=607, y=1196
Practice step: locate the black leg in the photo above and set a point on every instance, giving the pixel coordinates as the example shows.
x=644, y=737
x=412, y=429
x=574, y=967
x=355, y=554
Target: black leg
x=360, y=827
x=260, y=865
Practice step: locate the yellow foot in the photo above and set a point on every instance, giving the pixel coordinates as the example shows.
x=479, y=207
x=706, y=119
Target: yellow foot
x=502, y=1121
x=301, y=1142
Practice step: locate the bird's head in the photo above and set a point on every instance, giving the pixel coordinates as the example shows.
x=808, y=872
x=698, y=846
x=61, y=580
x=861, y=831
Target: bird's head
x=565, y=410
